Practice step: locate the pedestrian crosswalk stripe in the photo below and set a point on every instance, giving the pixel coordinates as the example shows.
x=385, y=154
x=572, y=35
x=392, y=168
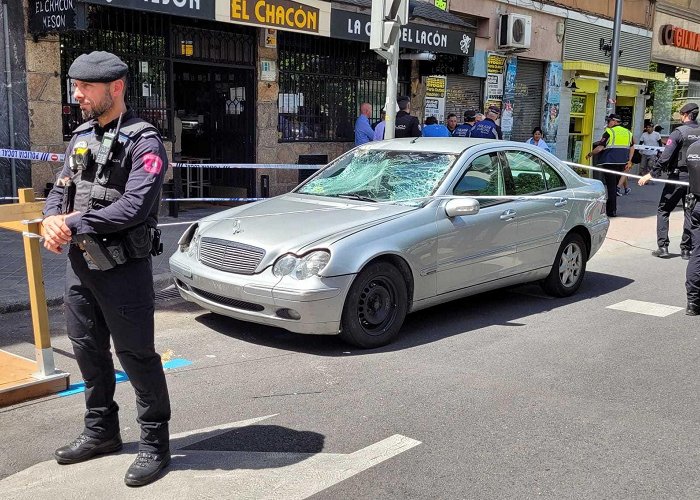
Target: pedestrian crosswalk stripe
x=648, y=308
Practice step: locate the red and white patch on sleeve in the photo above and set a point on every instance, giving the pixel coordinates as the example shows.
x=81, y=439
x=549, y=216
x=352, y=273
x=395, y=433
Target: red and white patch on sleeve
x=152, y=164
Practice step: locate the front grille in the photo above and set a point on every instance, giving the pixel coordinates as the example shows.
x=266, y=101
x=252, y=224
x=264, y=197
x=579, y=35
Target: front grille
x=229, y=256
x=219, y=299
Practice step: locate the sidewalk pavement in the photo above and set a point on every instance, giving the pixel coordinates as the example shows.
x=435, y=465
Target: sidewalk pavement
x=635, y=225
x=14, y=290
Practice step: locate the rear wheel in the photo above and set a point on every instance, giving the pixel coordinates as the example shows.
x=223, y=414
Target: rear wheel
x=375, y=307
x=568, y=269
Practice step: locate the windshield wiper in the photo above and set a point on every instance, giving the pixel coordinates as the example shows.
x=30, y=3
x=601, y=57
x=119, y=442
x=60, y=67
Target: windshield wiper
x=355, y=196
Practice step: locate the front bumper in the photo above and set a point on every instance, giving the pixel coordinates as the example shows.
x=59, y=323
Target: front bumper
x=263, y=298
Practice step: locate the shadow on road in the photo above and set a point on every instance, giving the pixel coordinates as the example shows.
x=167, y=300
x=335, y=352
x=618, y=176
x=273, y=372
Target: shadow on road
x=501, y=307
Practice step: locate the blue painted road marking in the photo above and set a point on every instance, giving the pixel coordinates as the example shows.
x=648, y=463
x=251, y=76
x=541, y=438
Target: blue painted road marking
x=120, y=376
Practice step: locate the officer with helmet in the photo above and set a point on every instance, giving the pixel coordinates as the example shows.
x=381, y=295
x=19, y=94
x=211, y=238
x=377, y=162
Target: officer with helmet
x=673, y=161
x=104, y=210
x=692, y=275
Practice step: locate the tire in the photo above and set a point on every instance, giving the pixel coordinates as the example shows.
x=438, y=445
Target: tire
x=568, y=269
x=375, y=307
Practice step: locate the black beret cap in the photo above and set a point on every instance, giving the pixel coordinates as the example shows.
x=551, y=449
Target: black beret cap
x=689, y=108
x=469, y=114
x=614, y=116
x=98, y=66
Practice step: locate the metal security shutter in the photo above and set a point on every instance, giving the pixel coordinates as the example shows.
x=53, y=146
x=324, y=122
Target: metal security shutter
x=527, y=109
x=582, y=43
x=462, y=92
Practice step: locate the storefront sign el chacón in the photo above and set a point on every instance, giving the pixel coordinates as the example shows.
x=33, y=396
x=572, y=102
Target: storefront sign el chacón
x=55, y=16
x=353, y=26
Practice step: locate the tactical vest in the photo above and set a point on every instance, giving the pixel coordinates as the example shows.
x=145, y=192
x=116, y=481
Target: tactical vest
x=99, y=191
x=690, y=134
x=617, y=149
x=693, y=164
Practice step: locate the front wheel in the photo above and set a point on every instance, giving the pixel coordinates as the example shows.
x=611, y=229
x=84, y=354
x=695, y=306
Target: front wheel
x=568, y=268
x=375, y=307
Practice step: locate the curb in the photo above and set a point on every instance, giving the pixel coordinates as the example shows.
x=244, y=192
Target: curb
x=160, y=281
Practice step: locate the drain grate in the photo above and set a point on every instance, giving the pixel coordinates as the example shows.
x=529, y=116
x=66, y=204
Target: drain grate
x=169, y=293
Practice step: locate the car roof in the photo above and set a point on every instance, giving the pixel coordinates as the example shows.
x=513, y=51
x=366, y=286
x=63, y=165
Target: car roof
x=455, y=145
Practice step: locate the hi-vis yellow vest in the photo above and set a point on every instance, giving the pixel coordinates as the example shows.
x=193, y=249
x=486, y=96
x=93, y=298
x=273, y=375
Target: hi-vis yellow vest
x=617, y=149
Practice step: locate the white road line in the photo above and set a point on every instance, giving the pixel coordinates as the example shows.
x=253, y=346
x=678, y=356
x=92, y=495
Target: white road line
x=205, y=474
x=648, y=308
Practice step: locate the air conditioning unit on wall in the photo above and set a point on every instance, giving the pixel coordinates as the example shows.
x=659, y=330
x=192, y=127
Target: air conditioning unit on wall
x=515, y=31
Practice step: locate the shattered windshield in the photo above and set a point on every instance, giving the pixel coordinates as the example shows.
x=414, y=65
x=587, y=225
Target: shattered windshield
x=375, y=175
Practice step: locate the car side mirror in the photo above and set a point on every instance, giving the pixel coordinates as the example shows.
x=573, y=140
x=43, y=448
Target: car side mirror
x=462, y=206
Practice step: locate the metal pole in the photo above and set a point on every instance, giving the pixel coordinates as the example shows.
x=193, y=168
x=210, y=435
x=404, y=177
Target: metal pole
x=8, y=86
x=614, y=59
x=392, y=76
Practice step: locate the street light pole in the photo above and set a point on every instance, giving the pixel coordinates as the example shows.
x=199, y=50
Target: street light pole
x=8, y=88
x=614, y=60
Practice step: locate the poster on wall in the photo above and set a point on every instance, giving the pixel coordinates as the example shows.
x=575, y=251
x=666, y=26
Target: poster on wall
x=509, y=97
x=552, y=98
x=495, y=67
x=435, y=89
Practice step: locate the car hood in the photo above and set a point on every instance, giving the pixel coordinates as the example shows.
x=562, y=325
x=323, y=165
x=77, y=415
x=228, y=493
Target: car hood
x=294, y=223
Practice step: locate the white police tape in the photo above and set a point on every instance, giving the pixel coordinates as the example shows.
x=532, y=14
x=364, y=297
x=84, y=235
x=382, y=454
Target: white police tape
x=18, y=154
x=271, y=166
x=626, y=174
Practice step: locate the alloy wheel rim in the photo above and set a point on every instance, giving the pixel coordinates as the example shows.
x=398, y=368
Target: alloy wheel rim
x=570, y=265
x=376, y=307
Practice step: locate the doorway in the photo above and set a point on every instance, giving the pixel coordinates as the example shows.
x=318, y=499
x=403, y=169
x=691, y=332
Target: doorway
x=216, y=106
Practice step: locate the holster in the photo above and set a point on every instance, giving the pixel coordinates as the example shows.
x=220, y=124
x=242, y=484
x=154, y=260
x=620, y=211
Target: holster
x=689, y=202
x=101, y=252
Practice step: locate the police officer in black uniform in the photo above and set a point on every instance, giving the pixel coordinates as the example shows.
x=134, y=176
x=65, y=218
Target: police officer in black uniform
x=673, y=161
x=104, y=210
x=692, y=274
x=406, y=125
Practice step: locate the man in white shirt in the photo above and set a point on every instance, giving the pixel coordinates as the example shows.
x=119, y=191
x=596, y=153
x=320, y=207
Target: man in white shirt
x=649, y=138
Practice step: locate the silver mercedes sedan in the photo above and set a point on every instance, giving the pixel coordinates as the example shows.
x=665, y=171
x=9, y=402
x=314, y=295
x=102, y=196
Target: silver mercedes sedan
x=392, y=227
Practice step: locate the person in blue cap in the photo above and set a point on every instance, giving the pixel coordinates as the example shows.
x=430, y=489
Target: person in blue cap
x=103, y=209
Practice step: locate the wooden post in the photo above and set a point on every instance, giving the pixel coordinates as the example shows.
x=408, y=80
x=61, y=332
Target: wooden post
x=37, y=293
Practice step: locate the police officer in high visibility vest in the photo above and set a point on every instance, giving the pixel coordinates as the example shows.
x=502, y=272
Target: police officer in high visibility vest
x=615, y=149
x=692, y=274
x=673, y=161
x=104, y=208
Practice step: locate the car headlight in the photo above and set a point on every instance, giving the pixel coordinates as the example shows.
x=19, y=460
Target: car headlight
x=301, y=268
x=189, y=241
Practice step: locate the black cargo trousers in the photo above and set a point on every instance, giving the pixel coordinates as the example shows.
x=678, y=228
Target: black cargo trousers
x=117, y=303
x=671, y=196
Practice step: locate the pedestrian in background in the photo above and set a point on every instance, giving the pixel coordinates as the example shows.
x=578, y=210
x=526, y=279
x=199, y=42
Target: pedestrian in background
x=479, y=117
x=673, y=161
x=363, y=130
x=115, y=217
x=616, y=149
x=451, y=122
x=406, y=125
x=465, y=128
x=536, y=139
x=649, y=138
x=379, y=129
x=434, y=129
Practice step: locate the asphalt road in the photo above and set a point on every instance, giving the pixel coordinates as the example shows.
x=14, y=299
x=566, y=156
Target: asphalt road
x=506, y=395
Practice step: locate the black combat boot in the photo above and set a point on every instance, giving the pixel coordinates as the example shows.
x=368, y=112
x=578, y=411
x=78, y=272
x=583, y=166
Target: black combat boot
x=85, y=447
x=662, y=253
x=685, y=254
x=692, y=309
x=146, y=468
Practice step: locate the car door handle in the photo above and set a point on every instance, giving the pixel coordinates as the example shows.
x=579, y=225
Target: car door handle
x=561, y=202
x=508, y=215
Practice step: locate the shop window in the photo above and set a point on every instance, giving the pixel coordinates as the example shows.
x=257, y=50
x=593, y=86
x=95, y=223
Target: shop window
x=322, y=84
